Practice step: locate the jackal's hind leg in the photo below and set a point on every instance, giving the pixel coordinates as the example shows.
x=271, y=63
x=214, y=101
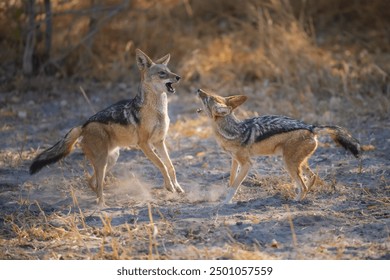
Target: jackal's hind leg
x=111, y=161
x=112, y=158
x=311, y=177
x=92, y=182
x=294, y=169
x=98, y=157
x=296, y=154
x=100, y=167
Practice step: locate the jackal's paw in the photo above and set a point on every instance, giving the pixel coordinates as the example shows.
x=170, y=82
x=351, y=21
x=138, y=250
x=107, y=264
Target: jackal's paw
x=170, y=187
x=300, y=195
x=178, y=188
x=101, y=203
x=297, y=198
x=227, y=201
x=229, y=196
x=312, y=181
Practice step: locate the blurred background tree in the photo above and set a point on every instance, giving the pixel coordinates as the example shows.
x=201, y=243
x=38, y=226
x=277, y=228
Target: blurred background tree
x=324, y=47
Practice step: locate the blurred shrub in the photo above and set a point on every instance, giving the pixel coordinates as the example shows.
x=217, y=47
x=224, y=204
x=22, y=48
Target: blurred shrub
x=324, y=47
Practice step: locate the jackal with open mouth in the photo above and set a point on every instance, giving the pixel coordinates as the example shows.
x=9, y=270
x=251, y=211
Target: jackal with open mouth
x=294, y=140
x=142, y=122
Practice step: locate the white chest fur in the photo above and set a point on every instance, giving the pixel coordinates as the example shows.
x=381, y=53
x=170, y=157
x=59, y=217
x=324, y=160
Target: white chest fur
x=159, y=121
x=162, y=104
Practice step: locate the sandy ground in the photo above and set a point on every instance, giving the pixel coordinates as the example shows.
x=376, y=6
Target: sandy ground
x=53, y=215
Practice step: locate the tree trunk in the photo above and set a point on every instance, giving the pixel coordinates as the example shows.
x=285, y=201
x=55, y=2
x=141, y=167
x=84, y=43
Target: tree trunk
x=30, y=39
x=48, y=22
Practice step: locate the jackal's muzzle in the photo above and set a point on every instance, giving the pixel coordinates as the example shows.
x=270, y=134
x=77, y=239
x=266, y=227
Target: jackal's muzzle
x=169, y=84
x=201, y=94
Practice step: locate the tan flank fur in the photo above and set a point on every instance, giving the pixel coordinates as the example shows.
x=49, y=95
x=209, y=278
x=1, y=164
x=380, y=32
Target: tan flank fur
x=294, y=140
x=140, y=122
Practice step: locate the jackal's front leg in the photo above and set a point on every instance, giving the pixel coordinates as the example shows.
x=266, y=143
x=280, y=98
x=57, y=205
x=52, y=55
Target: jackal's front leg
x=242, y=172
x=153, y=157
x=233, y=171
x=162, y=151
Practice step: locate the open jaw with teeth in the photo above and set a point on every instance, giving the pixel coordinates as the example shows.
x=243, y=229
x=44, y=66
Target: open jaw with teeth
x=170, y=88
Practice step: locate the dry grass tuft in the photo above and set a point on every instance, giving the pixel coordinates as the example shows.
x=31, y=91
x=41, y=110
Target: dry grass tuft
x=234, y=251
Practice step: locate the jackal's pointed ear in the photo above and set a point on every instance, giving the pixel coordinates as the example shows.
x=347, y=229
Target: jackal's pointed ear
x=143, y=61
x=221, y=111
x=163, y=60
x=235, y=100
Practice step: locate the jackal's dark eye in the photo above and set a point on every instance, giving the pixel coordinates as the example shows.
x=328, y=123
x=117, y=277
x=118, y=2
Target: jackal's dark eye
x=162, y=74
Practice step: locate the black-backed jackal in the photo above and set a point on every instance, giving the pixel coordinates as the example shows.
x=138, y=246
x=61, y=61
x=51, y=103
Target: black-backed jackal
x=141, y=122
x=294, y=140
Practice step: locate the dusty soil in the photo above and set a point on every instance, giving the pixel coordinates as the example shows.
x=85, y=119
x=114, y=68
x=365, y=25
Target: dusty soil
x=53, y=215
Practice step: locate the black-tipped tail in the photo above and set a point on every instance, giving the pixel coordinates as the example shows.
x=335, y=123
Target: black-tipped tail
x=45, y=158
x=60, y=150
x=342, y=137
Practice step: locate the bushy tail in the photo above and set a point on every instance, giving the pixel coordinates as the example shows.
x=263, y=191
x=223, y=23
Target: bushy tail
x=342, y=137
x=60, y=150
